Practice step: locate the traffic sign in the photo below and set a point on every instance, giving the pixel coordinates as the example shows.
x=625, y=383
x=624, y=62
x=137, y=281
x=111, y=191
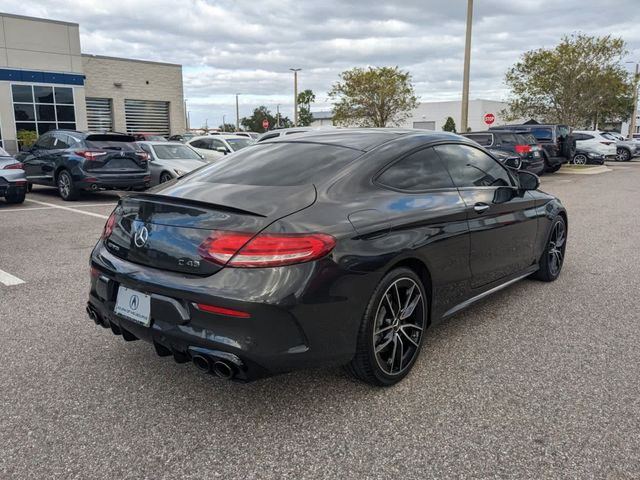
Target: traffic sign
x=489, y=118
x=265, y=123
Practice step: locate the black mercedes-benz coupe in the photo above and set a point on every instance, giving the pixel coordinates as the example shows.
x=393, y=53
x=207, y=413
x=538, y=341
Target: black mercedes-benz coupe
x=327, y=248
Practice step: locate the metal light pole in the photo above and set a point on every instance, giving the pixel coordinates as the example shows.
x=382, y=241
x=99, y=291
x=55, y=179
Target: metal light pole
x=224, y=123
x=632, y=126
x=295, y=95
x=278, y=116
x=464, y=117
x=237, y=114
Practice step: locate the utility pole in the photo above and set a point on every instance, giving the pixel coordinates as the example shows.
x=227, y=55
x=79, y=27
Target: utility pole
x=224, y=123
x=632, y=126
x=278, y=116
x=464, y=117
x=295, y=95
x=237, y=114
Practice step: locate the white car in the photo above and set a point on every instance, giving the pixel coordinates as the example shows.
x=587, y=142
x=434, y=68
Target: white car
x=594, y=141
x=214, y=147
x=271, y=134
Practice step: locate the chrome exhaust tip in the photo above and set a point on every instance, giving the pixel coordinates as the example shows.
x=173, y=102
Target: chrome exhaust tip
x=201, y=362
x=223, y=370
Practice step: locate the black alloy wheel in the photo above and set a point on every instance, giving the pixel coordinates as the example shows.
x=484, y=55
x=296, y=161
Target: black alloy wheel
x=165, y=177
x=66, y=188
x=580, y=159
x=553, y=256
x=391, y=335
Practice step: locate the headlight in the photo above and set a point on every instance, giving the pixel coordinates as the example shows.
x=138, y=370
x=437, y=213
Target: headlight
x=180, y=173
x=593, y=155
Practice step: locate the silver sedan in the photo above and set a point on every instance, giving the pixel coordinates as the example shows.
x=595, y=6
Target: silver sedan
x=13, y=181
x=169, y=160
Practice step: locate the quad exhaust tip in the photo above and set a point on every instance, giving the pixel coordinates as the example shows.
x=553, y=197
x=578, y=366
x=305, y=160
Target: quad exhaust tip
x=221, y=364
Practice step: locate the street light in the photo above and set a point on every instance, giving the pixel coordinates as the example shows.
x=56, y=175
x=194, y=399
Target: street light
x=278, y=116
x=464, y=117
x=632, y=126
x=295, y=95
x=224, y=123
x=237, y=114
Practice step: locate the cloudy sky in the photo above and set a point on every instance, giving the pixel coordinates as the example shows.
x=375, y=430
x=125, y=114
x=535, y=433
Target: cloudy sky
x=248, y=47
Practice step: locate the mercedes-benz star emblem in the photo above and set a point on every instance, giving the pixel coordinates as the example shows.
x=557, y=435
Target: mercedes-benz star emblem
x=133, y=302
x=141, y=236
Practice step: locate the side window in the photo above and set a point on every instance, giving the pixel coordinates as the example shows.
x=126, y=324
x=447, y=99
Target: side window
x=422, y=170
x=198, y=144
x=470, y=167
x=508, y=139
x=60, y=142
x=45, y=142
x=216, y=143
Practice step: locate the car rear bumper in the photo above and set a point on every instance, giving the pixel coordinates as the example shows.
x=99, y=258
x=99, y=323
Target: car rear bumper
x=293, y=322
x=533, y=165
x=12, y=187
x=114, y=181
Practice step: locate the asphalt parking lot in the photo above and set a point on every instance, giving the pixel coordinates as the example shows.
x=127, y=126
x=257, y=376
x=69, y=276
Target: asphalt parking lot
x=538, y=381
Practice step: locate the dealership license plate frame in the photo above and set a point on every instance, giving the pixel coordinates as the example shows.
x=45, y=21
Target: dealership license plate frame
x=133, y=305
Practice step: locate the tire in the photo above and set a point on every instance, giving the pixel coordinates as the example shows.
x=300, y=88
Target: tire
x=165, y=177
x=554, y=169
x=580, y=159
x=66, y=189
x=553, y=256
x=623, y=155
x=16, y=197
x=29, y=187
x=390, y=338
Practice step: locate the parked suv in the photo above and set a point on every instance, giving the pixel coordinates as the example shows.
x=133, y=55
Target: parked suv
x=523, y=145
x=74, y=161
x=556, y=141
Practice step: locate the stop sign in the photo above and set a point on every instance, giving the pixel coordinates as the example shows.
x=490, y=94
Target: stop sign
x=265, y=123
x=489, y=118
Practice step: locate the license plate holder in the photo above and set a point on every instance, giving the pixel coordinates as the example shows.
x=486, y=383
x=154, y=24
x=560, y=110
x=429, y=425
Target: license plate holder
x=133, y=305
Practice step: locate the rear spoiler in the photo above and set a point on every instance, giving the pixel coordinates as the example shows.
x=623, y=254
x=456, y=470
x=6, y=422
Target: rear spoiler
x=110, y=137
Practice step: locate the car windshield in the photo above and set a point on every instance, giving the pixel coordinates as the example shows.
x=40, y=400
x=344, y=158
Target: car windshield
x=175, y=152
x=278, y=164
x=482, y=139
x=238, y=143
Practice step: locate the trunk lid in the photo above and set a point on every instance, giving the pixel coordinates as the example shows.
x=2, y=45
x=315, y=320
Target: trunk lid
x=112, y=153
x=165, y=229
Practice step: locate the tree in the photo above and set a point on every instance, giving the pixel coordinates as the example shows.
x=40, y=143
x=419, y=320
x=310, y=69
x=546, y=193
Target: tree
x=449, y=125
x=579, y=82
x=254, y=122
x=373, y=97
x=227, y=127
x=305, y=99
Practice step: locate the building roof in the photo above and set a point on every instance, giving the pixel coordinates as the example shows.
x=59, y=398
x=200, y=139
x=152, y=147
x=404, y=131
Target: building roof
x=36, y=19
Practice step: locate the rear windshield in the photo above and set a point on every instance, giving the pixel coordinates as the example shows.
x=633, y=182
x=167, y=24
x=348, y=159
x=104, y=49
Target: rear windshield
x=238, y=143
x=528, y=139
x=278, y=164
x=542, y=134
x=111, y=142
x=170, y=152
x=483, y=139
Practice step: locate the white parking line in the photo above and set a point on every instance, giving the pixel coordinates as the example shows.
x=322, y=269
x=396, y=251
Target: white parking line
x=28, y=209
x=91, y=214
x=8, y=279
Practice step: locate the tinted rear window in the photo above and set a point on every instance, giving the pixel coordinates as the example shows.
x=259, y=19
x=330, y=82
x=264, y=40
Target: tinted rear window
x=278, y=164
x=111, y=142
x=528, y=139
x=484, y=139
x=543, y=134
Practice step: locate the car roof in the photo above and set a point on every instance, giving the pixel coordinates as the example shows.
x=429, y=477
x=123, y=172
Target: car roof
x=155, y=142
x=363, y=139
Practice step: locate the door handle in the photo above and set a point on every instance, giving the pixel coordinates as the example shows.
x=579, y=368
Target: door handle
x=481, y=207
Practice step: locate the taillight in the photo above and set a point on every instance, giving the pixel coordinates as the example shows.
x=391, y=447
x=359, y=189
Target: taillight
x=143, y=155
x=523, y=148
x=221, y=310
x=13, y=166
x=90, y=154
x=238, y=249
x=108, y=227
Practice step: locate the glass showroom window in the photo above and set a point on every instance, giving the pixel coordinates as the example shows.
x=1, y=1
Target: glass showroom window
x=43, y=108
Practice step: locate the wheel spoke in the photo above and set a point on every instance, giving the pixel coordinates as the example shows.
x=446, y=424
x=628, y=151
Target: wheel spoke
x=384, y=345
x=399, y=341
x=382, y=330
x=411, y=325
x=408, y=337
x=395, y=287
x=409, y=295
x=406, y=313
x=393, y=312
x=393, y=353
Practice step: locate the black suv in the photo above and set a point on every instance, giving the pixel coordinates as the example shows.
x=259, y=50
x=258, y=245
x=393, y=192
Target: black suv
x=556, y=140
x=75, y=161
x=523, y=145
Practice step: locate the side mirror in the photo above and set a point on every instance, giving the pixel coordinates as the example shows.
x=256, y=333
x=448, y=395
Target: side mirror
x=513, y=162
x=222, y=150
x=528, y=180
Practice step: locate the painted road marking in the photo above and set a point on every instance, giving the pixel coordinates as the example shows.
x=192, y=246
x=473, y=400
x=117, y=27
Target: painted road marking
x=8, y=279
x=27, y=209
x=91, y=214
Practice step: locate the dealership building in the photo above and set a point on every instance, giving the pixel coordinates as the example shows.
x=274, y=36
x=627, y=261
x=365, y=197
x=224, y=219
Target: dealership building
x=46, y=82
